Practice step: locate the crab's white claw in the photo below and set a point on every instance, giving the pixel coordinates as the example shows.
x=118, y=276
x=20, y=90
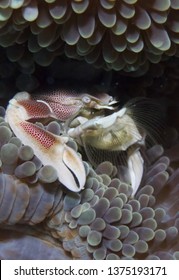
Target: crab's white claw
x=102, y=122
x=69, y=166
x=74, y=164
x=136, y=167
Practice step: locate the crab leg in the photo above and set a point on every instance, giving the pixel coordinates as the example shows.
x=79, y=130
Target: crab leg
x=136, y=169
x=65, y=105
x=49, y=148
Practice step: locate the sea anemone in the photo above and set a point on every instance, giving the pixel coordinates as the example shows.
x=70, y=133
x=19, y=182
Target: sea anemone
x=103, y=221
x=128, y=48
x=126, y=34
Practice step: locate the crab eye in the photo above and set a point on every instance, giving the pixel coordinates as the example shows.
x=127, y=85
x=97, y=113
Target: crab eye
x=86, y=99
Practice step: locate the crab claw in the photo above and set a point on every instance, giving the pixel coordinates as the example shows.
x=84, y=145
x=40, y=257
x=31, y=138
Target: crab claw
x=69, y=166
x=34, y=109
x=136, y=168
x=49, y=148
x=76, y=169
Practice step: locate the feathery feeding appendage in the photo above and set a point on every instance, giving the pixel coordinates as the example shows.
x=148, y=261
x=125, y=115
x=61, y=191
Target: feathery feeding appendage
x=49, y=148
x=105, y=137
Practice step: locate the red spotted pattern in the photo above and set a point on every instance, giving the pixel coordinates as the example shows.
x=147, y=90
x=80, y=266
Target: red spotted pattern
x=61, y=103
x=35, y=109
x=64, y=112
x=44, y=138
x=57, y=96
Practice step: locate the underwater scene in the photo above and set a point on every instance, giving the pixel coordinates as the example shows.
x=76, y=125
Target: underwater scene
x=89, y=130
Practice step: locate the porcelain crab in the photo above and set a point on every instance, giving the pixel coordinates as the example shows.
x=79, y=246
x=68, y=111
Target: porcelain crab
x=49, y=148
x=118, y=137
